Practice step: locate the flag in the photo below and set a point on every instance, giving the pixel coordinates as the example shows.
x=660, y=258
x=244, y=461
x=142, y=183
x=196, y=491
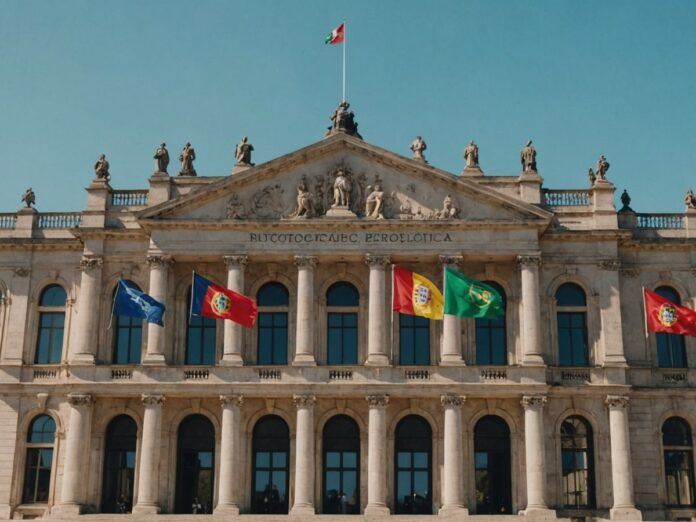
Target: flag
x=131, y=302
x=465, y=297
x=336, y=36
x=415, y=295
x=211, y=300
x=662, y=315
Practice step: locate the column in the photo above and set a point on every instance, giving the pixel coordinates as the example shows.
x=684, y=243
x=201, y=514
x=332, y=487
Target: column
x=149, y=456
x=233, y=339
x=611, y=332
x=453, y=472
x=304, y=456
x=377, y=456
x=377, y=349
x=535, y=461
x=85, y=347
x=451, y=350
x=159, y=272
x=304, y=337
x=76, y=452
x=621, y=469
x=230, y=456
x=531, y=317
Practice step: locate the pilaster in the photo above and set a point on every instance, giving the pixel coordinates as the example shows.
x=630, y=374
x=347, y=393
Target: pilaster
x=159, y=275
x=377, y=456
x=233, y=334
x=451, y=348
x=377, y=348
x=304, y=335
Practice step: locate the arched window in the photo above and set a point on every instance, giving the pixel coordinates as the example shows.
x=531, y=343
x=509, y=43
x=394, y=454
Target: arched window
x=341, y=444
x=491, y=336
x=413, y=462
x=679, y=462
x=671, y=351
x=37, y=470
x=195, y=466
x=414, y=340
x=272, y=346
x=342, y=300
x=270, y=460
x=492, y=466
x=49, y=344
x=200, y=338
x=119, y=465
x=571, y=318
x=578, y=463
x=128, y=335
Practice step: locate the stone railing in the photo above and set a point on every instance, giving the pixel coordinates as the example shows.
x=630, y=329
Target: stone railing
x=566, y=198
x=576, y=376
x=660, y=221
x=42, y=373
x=59, y=219
x=493, y=374
x=196, y=374
x=8, y=220
x=416, y=375
x=118, y=374
x=268, y=374
x=129, y=198
x=340, y=375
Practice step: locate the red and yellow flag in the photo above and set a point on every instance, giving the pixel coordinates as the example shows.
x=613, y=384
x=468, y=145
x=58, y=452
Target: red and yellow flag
x=662, y=315
x=416, y=295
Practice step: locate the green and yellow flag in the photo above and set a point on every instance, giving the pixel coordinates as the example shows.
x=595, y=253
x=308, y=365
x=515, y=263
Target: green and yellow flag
x=465, y=297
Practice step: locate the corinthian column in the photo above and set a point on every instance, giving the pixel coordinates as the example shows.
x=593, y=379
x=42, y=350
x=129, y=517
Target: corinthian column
x=534, y=451
x=377, y=456
x=304, y=456
x=149, y=456
x=159, y=274
x=230, y=456
x=85, y=348
x=377, y=353
x=453, y=472
x=531, y=317
x=76, y=448
x=304, y=337
x=621, y=470
x=232, y=345
x=451, y=350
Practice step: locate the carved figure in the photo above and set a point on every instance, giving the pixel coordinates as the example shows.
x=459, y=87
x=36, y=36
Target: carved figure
x=449, y=210
x=161, y=158
x=242, y=152
x=602, y=168
x=591, y=176
x=405, y=210
x=235, y=208
x=268, y=202
x=342, y=188
x=471, y=155
x=528, y=158
x=101, y=168
x=418, y=147
x=320, y=203
x=690, y=199
x=29, y=198
x=343, y=120
x=186, y=158
x=304, y=208
x=374, y=204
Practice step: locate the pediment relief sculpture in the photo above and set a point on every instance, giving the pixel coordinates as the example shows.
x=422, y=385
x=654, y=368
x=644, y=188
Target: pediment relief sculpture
x=235, y=208
x=268, y=203
x=305, y=206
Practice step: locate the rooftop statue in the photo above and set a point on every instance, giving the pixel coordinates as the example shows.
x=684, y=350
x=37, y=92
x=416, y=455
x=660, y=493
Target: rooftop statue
x=101, y=168
x=186, y=158
x=29, y=198
x=690, y=199
x=242, y=152
x=602, y=168
x=343, y=120
x=528, y=158
x=625, y=201
x=471, y=155
x=418, y=147
x=161, y=158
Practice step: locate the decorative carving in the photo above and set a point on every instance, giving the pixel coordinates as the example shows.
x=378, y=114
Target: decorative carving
x=88, y=263
x=343, y=120
x=304, y=401
x=377, y=401
x=29, y=198
x=41, y=399
x=305, y=201
x=158, y=261
x=20, y=271
x=236, y=261
x=471, y=156
x=617, y=401
x=609, y=264
x=80, y=399
x=629, y=271
x=342, y=187
x=242, y=152
x=528, y=158
x=452, y=261
x=532, y=261
x=152, y=400
x=377, y=260
x=374, y=204
x=452, y=401
x=602, y=168
x=320, y=194
x=231, y=401
x=533, y=402
x=449, y=209
x=235, y=208
x=268, y=202
x=187, y=156
x=305, y=261
x=405, y=210
x=418, y=147
x=101, y=168
x=161, y=158
x=690, y=199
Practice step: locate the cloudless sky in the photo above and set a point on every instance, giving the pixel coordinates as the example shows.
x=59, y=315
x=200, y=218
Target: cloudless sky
x=81, y=77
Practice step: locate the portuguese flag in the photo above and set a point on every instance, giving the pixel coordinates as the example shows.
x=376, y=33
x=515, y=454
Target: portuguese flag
x=415, y=294
x=337, y=35
x=211, y=300
x=662, y=315
x=465, y=297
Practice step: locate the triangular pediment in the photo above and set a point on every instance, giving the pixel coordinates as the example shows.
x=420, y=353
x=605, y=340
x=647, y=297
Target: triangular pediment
x=343, y=177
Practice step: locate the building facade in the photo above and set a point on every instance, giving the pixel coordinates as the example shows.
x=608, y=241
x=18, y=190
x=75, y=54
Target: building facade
x=333, y=403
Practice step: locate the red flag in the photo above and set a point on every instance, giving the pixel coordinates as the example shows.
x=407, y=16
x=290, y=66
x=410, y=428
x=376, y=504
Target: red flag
x=211, y=300
x=663, y=315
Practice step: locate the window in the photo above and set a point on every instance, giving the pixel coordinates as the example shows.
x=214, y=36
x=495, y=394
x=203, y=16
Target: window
x=413, y=463
x=37, y=470
x=492, y=466
x=272, y=346
x=341, y=466
x=679, y=462
x=128, y=336
x=491, y=336
x=414, y=340
x=578, y=463
x=195, y=462
x=270, y=459
x=200, y=338
x=119, y=465
x=671, y=352
x=571, y=318
x=49, y=344
x=342, y=301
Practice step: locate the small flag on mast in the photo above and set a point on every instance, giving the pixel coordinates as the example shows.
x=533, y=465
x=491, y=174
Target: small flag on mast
x=131, y=302
x=336, y=36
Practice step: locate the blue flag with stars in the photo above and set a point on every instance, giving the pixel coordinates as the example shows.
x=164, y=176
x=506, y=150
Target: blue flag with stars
x=132, y=302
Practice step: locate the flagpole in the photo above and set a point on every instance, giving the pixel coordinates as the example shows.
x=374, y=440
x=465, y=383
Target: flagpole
x=343, y=95
x=645, y=313
x=113, y=305
x=193, y=281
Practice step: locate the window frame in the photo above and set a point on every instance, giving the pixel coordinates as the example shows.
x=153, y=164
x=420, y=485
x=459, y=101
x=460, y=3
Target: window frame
x=429, y=330
x=132, y=324
x=411, y=469
x=274, y=311
x=489, y=327
x=286, y=447
x=48, y=309
x=670, y=339
x=341, y=468
x=343, y=311
x=590, y=460
x=584, y=311
x=682, y=449
x=32, y=446
x=206, y=324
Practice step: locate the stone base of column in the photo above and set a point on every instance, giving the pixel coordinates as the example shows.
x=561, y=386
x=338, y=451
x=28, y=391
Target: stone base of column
x=226, y=509
x=154, y=359
x=232, y=359
x=625, y=513
x=453, y=511
x=146, y=509
x=377, y=359
x=303, y=359
x=302, y=510
x=451, y=360
x=376, y=511
x=82, y=359
x=533, y=359
x=539, y=514
x=66, y=510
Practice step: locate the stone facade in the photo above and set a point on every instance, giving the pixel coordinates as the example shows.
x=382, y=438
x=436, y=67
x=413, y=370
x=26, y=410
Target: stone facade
x=278, y=221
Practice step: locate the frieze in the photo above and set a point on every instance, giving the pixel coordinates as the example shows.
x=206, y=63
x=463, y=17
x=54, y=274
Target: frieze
x=348, y=238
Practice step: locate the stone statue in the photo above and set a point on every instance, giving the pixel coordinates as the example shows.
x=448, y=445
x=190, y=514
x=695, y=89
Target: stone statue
x=242, y=152
x=449, y=210
x=374, y=204
x=418, y=147
x=342, y=188
x=305, y=205
x=343, y=120
x=471, y=155
x=602, y=168
x=161, y=158
x=235, y=208
x=186, y=158
x=29, y=198
x=591, y=176
x=528, y=158
x=690, y=199
x=101, y=168
x=625, y=201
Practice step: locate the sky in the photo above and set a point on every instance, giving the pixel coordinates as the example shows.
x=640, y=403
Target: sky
x=84, y=77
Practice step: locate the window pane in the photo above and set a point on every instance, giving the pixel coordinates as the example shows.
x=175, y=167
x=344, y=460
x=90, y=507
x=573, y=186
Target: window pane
x=272, y=294
x=263, y=459
x=342, y=294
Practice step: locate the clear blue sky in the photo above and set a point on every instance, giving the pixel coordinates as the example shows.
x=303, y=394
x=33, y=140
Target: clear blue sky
x=82, y=77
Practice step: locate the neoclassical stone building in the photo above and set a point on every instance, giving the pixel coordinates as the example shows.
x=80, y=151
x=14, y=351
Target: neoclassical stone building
x=332, y=403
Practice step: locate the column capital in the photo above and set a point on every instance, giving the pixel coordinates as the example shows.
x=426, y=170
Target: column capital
x=452, y=401
x=617, y=401
x=533, y=402
x=304, y=401
x=236, y=261
x=231, y=401
x=89, y=263
x=305, y=261
x=80, y=399
x=529, y=261
x=611, y=265
x=377, y=401
x=159, y=261
x=450, y=260
x=152, y=400
x=377, y=260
